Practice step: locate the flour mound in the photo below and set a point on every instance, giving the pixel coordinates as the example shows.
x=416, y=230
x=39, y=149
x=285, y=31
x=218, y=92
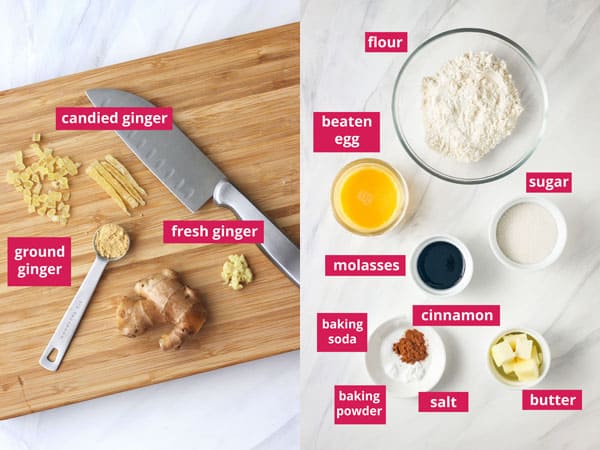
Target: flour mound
x=469, y=106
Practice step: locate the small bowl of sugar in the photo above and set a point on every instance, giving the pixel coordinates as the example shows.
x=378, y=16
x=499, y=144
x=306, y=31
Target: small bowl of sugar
x=528, y=233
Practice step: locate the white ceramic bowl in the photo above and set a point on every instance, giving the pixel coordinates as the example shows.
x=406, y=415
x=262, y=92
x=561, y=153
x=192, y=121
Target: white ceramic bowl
x=468, y=266
x=561, y=237
x=546, y=358
x=380, y=351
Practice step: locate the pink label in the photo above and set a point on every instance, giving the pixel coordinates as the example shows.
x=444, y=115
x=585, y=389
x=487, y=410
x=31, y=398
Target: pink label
x=548, y=182
x=384, y=42
x=346, y=132
x=365, y=265
x=553, y=399
x=359, y=405
x=443, y=402
x=456, y=315
x=119, y=118
x=213, y=231
x=341, y=332
x=39, y=261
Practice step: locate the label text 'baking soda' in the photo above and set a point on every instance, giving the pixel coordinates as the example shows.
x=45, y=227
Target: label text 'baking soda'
x=342, y=332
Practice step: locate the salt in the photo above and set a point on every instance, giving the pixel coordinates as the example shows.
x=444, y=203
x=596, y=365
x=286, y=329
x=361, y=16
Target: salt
x=527, y=233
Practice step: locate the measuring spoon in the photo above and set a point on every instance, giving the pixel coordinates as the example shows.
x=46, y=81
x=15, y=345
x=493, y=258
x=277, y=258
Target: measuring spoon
x=61, y=339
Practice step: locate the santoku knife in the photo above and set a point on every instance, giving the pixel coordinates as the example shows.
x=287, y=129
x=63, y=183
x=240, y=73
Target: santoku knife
x=191, y=177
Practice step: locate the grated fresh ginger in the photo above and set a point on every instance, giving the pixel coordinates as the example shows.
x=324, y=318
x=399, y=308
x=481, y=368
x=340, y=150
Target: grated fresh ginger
x=236, y=273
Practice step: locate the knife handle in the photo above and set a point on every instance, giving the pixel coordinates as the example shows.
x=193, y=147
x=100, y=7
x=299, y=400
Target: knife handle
x=276, y=245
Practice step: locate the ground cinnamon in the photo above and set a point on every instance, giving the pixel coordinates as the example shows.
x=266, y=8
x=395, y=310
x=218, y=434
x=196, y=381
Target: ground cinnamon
x=412, y=347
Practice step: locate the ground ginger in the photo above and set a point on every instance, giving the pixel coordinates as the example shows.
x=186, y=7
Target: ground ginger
x=111, y=241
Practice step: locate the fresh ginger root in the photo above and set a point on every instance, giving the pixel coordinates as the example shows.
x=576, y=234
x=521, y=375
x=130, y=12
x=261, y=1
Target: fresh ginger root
x=162, y=298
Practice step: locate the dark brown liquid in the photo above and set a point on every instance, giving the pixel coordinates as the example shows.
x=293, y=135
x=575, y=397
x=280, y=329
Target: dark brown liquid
x=440, y=265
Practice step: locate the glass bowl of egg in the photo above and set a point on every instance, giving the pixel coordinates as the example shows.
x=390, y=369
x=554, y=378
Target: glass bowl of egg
x=369, y=197
x=469, y=105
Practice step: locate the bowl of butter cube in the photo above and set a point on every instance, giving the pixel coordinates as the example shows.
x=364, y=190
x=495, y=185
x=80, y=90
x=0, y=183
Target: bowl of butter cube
x=519, y=357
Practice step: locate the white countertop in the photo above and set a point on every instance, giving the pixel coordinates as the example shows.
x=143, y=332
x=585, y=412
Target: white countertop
x=562, y=302
x=252, y=405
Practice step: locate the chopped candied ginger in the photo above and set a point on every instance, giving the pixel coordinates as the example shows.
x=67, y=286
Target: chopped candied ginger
x=49, y=200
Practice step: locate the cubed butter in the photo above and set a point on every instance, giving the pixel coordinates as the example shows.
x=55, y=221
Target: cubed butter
x=502, y=352
x=534, y=355
x=524, y=348
x=527, y=370
x=512, y=339
x=509, y=367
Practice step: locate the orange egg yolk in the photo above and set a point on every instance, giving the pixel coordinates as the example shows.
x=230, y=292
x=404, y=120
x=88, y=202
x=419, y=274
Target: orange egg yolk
x=369, y=198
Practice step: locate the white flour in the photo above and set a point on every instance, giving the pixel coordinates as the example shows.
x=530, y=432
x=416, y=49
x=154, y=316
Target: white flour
x=527, y=233
x=469, y=106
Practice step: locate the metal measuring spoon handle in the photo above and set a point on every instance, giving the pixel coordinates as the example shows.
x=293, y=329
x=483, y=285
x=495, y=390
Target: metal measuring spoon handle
x=60, y=340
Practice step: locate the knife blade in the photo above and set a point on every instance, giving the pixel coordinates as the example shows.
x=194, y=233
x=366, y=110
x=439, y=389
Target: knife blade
x=193, y=178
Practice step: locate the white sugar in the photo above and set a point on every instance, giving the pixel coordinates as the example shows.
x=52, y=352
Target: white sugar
x=527, y=233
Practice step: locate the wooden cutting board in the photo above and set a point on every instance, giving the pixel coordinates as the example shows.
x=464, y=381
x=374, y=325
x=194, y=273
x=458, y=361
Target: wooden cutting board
x=238, y=99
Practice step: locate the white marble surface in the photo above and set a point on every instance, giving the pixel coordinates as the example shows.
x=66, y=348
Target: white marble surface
x=253, y=405
x=562, y=301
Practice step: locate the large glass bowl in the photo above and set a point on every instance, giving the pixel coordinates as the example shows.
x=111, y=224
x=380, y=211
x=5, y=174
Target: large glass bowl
x=426, y=61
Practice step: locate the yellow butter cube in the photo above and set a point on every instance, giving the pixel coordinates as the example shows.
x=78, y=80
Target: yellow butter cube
x=524, y=348
x=513, y=338
x=502, y=352
x=509, y=367
x=527, y=370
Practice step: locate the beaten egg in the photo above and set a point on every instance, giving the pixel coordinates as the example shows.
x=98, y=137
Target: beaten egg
x=369, y=196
